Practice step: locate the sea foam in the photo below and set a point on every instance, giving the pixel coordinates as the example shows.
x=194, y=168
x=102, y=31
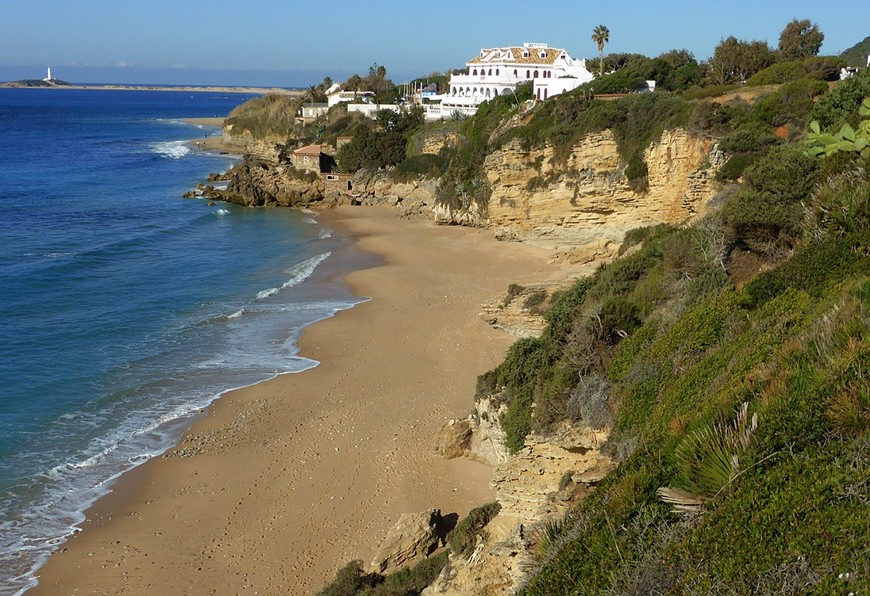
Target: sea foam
x=298, y=273
x=170, y=149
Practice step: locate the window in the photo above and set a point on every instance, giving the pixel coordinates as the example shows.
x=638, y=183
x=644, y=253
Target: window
x=536, y=74
x=475, y=72
x=496, y=72
x=528, y=74
x=515, y=72
x=490, y=72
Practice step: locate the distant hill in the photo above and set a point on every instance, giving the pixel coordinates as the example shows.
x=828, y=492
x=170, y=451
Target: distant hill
x=857, y=54
x=36, y=83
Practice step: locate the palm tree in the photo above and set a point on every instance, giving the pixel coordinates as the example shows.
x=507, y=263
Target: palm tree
x=601, y=35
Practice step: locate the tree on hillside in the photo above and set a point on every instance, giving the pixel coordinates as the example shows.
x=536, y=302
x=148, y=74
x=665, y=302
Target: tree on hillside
x=800, y=39
x=735, y=60
x=354, y=83
x=601, y=35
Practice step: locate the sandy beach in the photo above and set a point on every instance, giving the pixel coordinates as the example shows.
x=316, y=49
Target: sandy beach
x=281, y=484
x=214, y=143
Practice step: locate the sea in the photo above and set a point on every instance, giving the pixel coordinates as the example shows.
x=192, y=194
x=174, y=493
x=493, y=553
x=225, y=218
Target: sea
x=126, y=309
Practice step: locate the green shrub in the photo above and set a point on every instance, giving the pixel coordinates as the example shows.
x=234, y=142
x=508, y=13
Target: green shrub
x=351, y=580
x=840, y=106
x=411, y=581
x=792, y=103
x=785, y=172
x=424, y=165
x=534, y=301
x=823, y=68
x=736, y=165
x=463, y=538
x=762, y=221
x=766, y=216
x=749, y=138
x=271, y=116
x=619, y=317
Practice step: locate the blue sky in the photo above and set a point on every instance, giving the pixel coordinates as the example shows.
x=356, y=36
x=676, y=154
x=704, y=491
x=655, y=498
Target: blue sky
x=294, y=44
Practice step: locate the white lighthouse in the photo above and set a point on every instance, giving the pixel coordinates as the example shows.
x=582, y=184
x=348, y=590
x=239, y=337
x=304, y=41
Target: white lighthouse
x=48, y=78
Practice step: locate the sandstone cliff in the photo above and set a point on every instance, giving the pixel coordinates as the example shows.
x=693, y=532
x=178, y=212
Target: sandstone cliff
x=580, y=206
x=587, y=200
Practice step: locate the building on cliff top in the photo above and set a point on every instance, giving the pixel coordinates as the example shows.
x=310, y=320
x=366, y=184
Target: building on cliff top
x=336, y=95
x=498, y=71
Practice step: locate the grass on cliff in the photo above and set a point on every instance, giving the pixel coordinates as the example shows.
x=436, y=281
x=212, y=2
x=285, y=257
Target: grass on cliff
x=269, y=117
x=351, y=580
x=663, y=347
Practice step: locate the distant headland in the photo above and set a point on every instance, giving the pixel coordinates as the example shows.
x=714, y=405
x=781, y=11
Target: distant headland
x=50, y=82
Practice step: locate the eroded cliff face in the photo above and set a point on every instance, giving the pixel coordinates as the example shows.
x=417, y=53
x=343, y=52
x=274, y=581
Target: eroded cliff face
x=586, y=200
x=539, y=483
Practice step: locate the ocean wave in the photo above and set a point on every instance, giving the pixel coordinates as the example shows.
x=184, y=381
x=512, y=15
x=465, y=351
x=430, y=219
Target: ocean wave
x=170, y=149
x=222, y=212
x=325, y=233
x=298, y=273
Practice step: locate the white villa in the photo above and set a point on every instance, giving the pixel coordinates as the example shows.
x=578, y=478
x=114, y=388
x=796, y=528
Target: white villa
x=498, y=71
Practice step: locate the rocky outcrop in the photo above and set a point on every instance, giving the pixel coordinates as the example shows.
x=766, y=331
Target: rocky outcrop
x=586, y=198
x=259, y=182
x=416, y=197
x=527, y=483
x=415, y=536
x=539, y=483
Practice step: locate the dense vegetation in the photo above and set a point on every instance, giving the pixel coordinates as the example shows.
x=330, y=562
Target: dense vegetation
x=759, y=312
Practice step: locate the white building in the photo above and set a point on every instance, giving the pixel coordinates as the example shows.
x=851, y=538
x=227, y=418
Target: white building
x=336, y=95
x=498, y=71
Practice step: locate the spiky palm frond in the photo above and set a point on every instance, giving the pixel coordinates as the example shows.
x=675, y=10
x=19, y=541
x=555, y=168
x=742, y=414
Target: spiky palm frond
x=708, y=460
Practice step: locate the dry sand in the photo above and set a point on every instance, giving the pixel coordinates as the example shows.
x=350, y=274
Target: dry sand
x=283, y=483
x=213, y=143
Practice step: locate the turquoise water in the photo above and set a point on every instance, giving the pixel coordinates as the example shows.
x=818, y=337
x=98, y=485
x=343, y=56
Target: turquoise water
x=125, y=309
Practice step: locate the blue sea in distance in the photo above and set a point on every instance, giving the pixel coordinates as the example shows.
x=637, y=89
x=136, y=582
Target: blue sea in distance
x=125, y=309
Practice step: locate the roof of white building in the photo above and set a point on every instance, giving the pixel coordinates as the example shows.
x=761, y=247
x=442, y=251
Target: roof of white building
x=527, y=54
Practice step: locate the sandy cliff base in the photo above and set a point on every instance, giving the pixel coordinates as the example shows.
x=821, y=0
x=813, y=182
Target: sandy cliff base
x=283, y=483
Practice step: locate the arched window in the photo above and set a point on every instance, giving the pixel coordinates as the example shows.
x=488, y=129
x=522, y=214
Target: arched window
x=490, y=72
x=539, y=94
x=475, y=72
x=536, y=74
x=528, y=74
x=487, y=92
x=496, y=72
x=515, y=72
x=545, y=93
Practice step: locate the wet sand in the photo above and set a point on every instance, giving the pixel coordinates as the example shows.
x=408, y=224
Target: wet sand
x=281, y=484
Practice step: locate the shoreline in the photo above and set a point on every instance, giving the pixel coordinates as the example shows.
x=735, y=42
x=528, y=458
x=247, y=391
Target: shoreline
x=187, y=88
x=282, y=483
x=213, y=143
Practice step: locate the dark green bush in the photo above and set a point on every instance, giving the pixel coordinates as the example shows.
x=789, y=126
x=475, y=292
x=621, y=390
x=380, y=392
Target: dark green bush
x=424, y=165
x=351, y=580
x=841, y=105
x=411, y=581
x=822, y=68
x=749, y=138
x=619, y=317
x=735, y=166
x=786, y=172
x=463, y=537
x=762, y=221
x=792, y=103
